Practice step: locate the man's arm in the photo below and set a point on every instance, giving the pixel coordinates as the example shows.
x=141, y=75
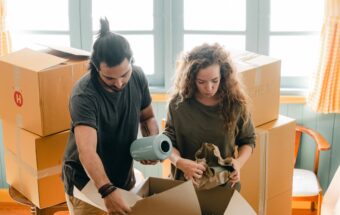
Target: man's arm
x=86, y=140
x=148, y=127
x=148, y=123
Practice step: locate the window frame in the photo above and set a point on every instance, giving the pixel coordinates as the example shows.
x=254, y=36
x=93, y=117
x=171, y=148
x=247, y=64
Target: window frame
x=168, y=34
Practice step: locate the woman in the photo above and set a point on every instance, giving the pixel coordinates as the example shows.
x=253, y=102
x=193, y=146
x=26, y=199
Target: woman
x=208, y=105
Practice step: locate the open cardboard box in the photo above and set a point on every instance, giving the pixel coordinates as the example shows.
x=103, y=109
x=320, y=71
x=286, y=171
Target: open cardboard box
x=168, y=197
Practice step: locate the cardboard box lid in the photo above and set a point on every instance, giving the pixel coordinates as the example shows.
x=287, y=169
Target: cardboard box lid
x=251, y=59
x=39, y=60
x=32, y=60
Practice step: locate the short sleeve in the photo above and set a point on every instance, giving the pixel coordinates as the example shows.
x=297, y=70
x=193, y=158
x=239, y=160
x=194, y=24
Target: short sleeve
x=83, y=111
x=170, y=128
x=246, y=134
x=146, y=97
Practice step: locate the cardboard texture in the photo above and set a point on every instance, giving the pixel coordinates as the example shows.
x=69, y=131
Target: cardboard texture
x=220, y=200
x=33, y=164
x=168, y=197
x=35, y=88
x=268, y=174
x=280, y=204
x=331, y=199
x=261, y=77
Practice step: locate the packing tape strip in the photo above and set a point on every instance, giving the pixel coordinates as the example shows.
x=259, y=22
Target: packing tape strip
x=263, y=136
x=17, y=139
x=36, y=174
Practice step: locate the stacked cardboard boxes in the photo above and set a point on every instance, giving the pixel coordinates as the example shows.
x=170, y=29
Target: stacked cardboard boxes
x=266, y=178
x=34, y=89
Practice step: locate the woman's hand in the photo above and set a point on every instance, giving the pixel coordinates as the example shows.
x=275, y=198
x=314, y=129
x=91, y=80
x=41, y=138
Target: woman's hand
x=191, y=169
x=244, y=153
x=235, y=176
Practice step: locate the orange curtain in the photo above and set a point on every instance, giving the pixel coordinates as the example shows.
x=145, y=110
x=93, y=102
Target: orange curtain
x=324, y=96
x=5, y=43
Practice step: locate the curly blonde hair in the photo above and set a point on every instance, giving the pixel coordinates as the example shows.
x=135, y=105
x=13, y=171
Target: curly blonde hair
x=233, y=102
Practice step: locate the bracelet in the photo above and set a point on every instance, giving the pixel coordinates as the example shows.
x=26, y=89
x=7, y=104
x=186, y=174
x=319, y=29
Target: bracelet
x=106, y=189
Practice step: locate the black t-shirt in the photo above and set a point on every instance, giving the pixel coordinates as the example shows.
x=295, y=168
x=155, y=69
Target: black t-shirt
x=115, y=116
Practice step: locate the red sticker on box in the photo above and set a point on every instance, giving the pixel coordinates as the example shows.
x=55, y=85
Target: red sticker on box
x=18, y=99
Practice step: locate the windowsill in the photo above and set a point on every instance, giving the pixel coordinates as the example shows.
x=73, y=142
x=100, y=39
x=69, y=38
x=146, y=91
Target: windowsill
x=284, y=99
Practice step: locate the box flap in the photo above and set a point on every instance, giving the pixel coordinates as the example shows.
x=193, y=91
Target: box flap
x=90, y=195
x=70, y=50
x=222, y=200
x=238, y=205
x=214, y=201
x=180, y=200
x=331, y=200
x=245, y=60
x=280, y=121
x=32, y=60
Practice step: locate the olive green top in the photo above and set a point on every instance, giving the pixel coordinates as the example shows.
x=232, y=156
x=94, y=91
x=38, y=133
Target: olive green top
x=191, y=123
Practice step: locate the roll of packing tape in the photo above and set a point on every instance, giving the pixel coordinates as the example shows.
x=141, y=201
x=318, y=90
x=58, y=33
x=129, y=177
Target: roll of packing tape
x=157, y=147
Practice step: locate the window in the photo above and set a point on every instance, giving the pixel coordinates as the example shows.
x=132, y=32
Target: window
x=36, y=22
x=158, y=30
x=222, y=21
x=135, y=24
x=294, y=38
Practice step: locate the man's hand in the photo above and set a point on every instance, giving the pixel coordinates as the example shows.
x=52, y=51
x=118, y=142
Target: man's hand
x=191, y=169
x=115, y=204
x=149, y=162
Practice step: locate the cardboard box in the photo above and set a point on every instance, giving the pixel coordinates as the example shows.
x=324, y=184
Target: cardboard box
x=268, y=174
x=35, y=88
x=33, y=164
x=168, y=197
x=261, y=77
x=280, y=204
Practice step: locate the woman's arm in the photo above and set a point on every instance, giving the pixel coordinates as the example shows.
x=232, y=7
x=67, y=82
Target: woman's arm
x=244, y=153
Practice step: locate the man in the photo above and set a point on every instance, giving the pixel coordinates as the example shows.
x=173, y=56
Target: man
x=106, y=107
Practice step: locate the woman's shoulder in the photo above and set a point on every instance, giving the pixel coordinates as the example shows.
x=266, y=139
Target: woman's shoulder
x=177, y=103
